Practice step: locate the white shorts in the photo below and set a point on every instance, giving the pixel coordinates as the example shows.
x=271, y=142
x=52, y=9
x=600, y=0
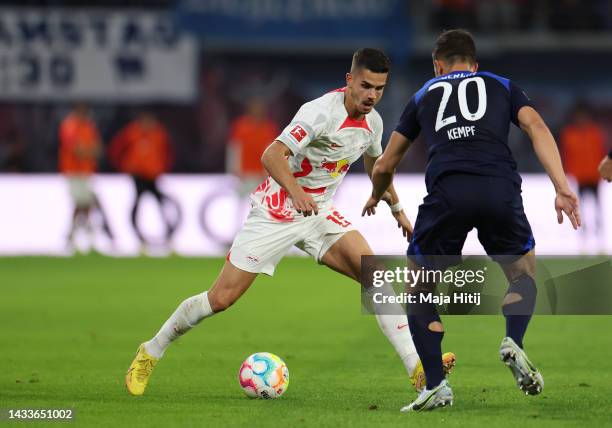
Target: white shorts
x=80, y=190
x=263, y=242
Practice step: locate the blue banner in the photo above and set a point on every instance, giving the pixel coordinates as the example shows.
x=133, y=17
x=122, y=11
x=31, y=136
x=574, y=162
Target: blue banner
x=285, y=25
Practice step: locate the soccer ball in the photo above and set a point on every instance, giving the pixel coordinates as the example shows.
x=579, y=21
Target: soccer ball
x=264, y=375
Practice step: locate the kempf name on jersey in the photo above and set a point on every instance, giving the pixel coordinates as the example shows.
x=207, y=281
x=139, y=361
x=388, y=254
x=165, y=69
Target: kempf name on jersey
x=461, y=132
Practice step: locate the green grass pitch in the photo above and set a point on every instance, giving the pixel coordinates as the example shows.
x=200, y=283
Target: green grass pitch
x=69, y=329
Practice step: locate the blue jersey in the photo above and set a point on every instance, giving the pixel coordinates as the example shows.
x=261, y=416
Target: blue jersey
x=465, y=119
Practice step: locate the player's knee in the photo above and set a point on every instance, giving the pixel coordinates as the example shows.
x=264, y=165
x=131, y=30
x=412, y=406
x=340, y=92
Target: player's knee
x=521, y=275
x=526, y=269
x=521, y=296
x=524, y=266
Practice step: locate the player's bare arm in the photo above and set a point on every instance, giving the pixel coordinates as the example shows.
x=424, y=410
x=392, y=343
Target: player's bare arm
x=391, y=198
x=275, y=162
x=546, y=149
x=384, y=169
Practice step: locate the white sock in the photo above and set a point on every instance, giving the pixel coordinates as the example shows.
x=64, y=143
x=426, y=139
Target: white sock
x=393, y=322
x=189, y=313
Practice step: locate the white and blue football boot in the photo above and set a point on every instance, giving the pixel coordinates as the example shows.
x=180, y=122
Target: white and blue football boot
x=440, y=396
x=528, y=378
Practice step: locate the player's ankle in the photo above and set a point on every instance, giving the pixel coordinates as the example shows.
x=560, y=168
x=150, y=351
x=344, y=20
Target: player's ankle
x=153, y=348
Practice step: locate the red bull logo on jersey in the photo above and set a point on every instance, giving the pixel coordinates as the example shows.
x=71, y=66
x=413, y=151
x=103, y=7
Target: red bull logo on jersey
x=336, y=168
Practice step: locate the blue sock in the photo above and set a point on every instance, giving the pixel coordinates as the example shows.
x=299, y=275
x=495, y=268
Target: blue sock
x=432, y=360
x=518, y=314
x=427, y=343
x=516, y=326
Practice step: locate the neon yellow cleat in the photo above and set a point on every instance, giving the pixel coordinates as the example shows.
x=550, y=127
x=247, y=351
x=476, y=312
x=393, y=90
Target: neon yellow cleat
x=418, y=377
x=138, y=374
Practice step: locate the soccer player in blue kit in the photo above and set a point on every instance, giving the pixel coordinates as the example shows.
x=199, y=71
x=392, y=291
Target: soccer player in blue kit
x=464, y=117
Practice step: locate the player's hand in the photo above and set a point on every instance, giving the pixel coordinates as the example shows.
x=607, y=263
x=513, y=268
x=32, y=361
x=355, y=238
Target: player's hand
x=303, y=203
x=403, y=223
x=566, y=202
x=605, y=169
x=386, y=197
x=370, y=207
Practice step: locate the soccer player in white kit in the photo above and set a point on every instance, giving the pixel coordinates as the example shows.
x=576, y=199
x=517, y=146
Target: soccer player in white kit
x=293, y=206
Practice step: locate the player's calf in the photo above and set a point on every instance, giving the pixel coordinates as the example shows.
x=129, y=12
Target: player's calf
x=231, y=284
x=220, y=301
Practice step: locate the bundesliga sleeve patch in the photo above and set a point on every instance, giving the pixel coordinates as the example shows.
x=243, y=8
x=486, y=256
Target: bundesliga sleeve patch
x=298, y=133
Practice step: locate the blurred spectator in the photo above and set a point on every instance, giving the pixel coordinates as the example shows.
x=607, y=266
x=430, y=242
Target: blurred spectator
x=143, y=150
x=582, y=147
x=249, y=135
x=80, y=148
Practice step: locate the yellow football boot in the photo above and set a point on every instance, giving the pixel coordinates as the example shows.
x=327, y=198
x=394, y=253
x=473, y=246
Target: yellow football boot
x=418, y=376
x=138, y=374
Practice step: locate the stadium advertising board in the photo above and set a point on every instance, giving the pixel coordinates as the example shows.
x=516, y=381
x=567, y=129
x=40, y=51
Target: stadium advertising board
x=62, y=54
x=36, y=215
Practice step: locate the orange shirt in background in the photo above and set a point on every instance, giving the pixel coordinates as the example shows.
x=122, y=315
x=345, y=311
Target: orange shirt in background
x=143, y=151
x=582, y=148
x=253, y=137
x=78, y=134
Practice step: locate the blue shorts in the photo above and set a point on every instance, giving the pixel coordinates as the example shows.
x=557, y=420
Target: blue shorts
x=459, y=202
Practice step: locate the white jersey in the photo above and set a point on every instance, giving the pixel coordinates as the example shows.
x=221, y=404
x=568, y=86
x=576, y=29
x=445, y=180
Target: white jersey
x=324, y=142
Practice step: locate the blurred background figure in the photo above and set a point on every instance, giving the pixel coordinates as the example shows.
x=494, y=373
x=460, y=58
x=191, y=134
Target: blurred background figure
x=249, y=135
x=220, y=85
x=80, y=149
x=143, y=150
x=582, y=142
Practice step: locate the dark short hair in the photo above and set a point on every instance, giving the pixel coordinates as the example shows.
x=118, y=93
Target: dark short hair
x=455, y=46
x=372, y=59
